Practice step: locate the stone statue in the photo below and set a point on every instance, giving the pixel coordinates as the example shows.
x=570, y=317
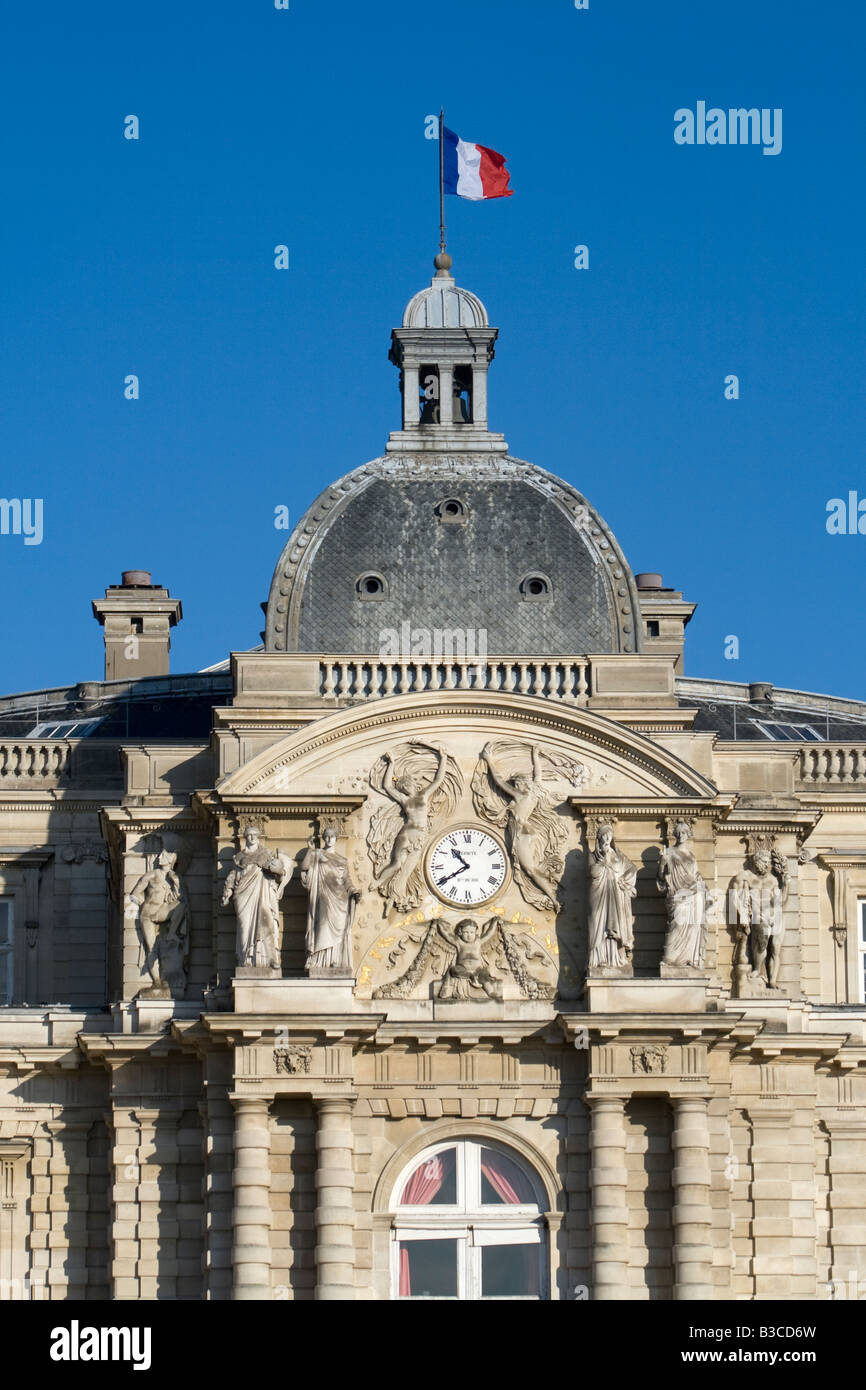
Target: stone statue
x=255, y=885
x=332, y=900
x=426, y=788
x=759, y=897
x=686, y=899
x=612, y=885
x=469, y=970
x=520, y=801
x=465, y=968
x=159, y=902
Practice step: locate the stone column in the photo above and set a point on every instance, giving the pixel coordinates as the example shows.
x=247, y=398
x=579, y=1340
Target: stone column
x=479, y=395
x=847, y=1164
x=335, y=1215
x=251, y=1245
x=411, y=397
x=446, y=394
x=218, y=1142
x=124, y=1175
x=692, y=1213
x=157, y=1201
x=609, y=1214
x=783, y=1192
x=68, y=1236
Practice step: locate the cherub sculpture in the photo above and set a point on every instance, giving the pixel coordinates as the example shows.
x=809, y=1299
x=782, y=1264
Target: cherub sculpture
x=469, y=970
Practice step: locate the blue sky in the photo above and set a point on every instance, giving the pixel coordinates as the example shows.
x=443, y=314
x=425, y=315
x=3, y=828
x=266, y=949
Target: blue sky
x=258, y=387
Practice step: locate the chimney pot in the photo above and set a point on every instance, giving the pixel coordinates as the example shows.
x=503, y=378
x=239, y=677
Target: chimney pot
x=648, y=581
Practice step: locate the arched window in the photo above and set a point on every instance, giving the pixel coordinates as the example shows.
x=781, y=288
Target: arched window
x=469, y=1224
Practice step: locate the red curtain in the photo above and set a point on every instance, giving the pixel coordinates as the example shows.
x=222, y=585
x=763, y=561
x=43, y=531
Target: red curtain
x=405, y=1281
x=506, y=1179
x=419, y=1191
x=424, y=1183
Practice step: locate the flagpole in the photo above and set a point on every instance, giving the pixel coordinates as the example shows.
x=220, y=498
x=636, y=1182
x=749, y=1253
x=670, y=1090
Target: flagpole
x=441, y=179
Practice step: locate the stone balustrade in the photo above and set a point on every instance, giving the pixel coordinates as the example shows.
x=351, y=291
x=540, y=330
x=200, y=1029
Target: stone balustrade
x=42, y=763
x=828, y=764
x=363, y=678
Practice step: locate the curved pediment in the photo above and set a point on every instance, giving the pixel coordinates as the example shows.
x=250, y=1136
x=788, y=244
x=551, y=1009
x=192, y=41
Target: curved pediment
x=334, y=754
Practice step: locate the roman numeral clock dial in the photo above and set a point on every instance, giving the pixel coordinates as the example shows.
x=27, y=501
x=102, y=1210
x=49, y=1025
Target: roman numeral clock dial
x=467, y=867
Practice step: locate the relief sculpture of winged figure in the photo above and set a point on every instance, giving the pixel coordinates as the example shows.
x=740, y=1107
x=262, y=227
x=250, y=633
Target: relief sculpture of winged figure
x=508, y=788
x=422, y=784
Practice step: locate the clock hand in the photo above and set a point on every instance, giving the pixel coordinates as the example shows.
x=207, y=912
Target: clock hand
x=462, y=870
x=458, y=855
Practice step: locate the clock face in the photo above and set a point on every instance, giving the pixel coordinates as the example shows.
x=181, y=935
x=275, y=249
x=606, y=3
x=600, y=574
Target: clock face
x=467, y=867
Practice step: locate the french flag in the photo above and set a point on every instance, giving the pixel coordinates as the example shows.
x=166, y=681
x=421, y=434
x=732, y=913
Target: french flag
x=473, y=171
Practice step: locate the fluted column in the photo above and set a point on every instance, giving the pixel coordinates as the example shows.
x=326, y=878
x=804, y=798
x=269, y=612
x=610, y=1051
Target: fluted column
x=692, y=1214
x=335, y=1217
x=251, y=1180
x=609, y=1199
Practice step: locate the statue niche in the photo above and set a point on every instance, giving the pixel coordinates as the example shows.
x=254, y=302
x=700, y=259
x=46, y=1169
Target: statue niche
x=612, y=886
x=757, y=901
x=687, y=899
x=255, y=885
x=159, y=906
x=332, y=899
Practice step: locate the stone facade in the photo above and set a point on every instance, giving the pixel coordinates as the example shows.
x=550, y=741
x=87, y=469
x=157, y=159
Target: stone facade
x=481, y=1104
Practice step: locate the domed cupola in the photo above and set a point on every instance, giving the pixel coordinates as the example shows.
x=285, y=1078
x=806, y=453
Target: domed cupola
x=447, y=528
x=443, y=349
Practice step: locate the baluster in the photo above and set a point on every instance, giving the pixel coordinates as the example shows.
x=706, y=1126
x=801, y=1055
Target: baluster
x=569, y=672
x=582, y=683
x=327, y=670
x=523, y=686
x=463, y=668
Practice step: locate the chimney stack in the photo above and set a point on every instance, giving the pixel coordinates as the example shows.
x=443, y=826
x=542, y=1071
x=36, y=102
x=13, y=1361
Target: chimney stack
x=137, y=617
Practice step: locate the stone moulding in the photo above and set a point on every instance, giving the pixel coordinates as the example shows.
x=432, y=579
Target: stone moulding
x=665, y=773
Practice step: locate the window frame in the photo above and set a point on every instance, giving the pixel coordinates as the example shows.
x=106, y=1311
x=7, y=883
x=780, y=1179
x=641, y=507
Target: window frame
x=7, y=954
x=861, y=950
x=765, y=725
x=473, y=1224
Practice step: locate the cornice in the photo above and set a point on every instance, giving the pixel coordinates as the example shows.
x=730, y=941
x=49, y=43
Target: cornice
x=597, y=730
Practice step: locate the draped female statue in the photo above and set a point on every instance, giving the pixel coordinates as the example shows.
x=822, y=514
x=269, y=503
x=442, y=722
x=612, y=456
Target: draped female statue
x=686, y=899
x=332, y=899
x=612, y=885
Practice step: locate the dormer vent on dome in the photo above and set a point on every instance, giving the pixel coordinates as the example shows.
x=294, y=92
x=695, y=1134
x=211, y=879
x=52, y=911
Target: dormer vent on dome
x=443, y=349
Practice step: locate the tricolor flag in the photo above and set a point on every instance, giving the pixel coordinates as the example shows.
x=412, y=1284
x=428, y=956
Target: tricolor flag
x=473, y=171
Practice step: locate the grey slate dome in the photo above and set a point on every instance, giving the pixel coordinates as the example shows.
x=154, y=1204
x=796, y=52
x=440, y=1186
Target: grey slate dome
x=446, y=530
x=515, y=526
